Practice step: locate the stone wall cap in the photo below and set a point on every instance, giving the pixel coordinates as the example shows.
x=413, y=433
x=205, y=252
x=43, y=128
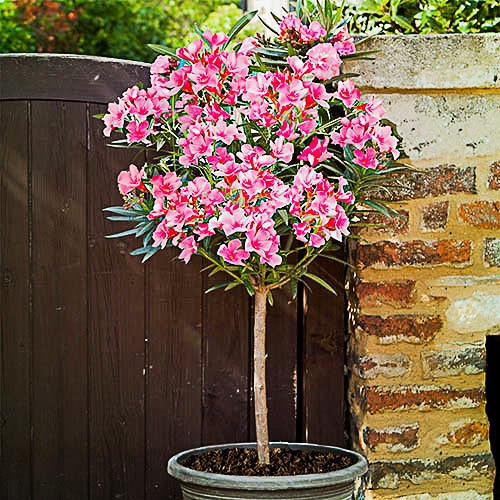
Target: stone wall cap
x=430, y=62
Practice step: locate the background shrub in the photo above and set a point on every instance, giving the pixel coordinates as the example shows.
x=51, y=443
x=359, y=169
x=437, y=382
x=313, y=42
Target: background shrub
x=123, y=28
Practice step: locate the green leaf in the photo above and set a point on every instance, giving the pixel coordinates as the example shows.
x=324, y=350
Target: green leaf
x=267, y=26
x=150, y=254
x=270, y=298
x=293, y=284
x=231, y=285
x=284, y=216
x=238, y=26
x=144, y=228
x=216, y=287
x=141, y=251
x=99, y=116
x=321, y=282
x=124, y=233
x=161, y=49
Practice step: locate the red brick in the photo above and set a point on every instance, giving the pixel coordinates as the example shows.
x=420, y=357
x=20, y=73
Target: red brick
x=436, y=181
x=481, y=214
x=414, y=329
x=469, y=433
x=378, y=398
x=494, y=177
x=435, y=216
x=391, y=293
x=414, y=253
x=401, y=438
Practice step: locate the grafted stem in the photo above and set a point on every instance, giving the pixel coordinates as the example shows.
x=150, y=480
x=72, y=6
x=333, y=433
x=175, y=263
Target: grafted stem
x=259, y=375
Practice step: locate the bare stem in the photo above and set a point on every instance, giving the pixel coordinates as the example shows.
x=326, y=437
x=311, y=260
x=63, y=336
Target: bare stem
x=259, y=376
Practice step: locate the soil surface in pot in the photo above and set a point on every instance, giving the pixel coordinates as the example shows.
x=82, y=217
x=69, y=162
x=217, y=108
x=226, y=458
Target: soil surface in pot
x=284, y=462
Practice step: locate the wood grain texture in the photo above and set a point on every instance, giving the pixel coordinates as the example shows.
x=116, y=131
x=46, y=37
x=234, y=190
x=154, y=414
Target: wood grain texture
x=323, y=358
x=174, y=383
x=226, y=352
x=15, y=321
x=116, y=335
x=59, y=300
x=68, y=77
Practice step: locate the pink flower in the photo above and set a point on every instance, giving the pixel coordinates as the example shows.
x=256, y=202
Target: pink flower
x=301, y=230
x=306, y=177
x=161, y=64
x=138, y=132
x=341, y=195
x=325, y=61
x=198, y=187
x=165, y=185
x=318, y=93
x=385, y=140
x=142, y=107
x=347, y=93
x=233, y=253
x=191, y=52
x=292, y=94
x=248, y=45
x=316, y=240
x=203, y=76
x=215, y=40
x=130, y=180
x=236, y=63
x=367, y=158
x=189, y=247
x=226, y=133
x=316, y=31
x=282, y=150
x=307, y=126
x=374, y=109
x=357, y=135
x=163, y=234
x=316, y=152
x=299, y=67
x=233, y=221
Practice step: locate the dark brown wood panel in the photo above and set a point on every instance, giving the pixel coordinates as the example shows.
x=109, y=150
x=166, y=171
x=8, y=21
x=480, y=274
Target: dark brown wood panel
x=68, y=77
x=282, y=366
x=15, y=322
x=116, y=334
x=174, y=384
x=225, y=364
x=59, y=156
x=323, y=358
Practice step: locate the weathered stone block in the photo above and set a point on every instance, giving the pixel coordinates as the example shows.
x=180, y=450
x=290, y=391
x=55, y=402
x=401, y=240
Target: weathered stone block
x=467, y=432
x=478, y=313
x=380, y=398
x=435, y=216
x=481, y=214
x=436, y=181
x=494, y=176
x=381, y=364
x=414, y=328
x=397, y=439
x=414, y=253
x=379, y=224
x=385, y=474
x=391, y=293
x=491, y=253
x=466, y=360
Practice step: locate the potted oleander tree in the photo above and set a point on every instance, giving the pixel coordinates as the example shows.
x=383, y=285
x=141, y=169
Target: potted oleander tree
x=265, y=154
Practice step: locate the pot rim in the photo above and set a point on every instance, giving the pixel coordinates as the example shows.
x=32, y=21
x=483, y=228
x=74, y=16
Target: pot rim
x=187, y=475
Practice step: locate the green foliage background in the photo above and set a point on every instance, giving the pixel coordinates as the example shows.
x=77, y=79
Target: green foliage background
x=123, y=28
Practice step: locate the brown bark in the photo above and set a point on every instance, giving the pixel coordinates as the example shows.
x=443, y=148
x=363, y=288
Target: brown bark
x=259, y=376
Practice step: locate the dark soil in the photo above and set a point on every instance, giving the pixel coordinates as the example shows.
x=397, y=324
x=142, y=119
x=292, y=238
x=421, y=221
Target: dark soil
x=284, y=462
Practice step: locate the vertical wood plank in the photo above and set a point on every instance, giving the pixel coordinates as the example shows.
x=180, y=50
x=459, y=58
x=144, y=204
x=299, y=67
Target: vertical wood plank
x=323, y=358
x=281, y=366
x=174, y=366
x=15, y=323
x=225, y=365
x=59, y=155
x=116, y=335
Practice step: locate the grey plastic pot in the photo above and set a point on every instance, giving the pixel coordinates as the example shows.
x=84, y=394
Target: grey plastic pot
x=338, y=485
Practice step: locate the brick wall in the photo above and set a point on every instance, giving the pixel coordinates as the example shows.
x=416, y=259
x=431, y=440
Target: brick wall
x=426, y=291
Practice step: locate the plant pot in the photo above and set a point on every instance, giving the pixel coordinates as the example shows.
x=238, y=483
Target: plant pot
x=337, y=485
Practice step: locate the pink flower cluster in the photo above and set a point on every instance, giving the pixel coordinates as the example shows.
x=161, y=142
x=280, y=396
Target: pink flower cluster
x=249, y=145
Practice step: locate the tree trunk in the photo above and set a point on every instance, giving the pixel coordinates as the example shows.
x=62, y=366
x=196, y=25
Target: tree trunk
x=259, y=376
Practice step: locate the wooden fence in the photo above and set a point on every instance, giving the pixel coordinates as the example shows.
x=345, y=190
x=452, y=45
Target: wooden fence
x=108, y=367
